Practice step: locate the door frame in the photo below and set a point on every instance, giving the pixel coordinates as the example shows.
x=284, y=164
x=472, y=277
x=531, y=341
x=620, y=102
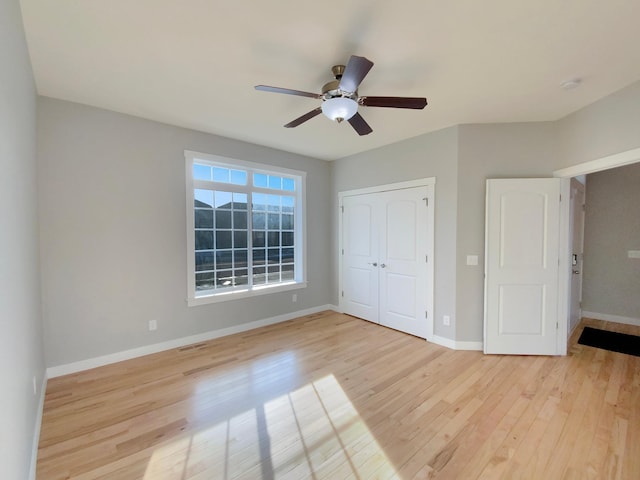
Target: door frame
x=422, y=182
x=565, y=174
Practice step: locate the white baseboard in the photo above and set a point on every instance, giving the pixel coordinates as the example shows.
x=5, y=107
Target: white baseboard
x=612, y=318
x=36, y=429
x=456, y=345
x=90, y=363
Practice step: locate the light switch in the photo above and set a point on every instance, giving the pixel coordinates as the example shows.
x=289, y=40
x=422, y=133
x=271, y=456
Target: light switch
x=634, y=253
x=472, y=259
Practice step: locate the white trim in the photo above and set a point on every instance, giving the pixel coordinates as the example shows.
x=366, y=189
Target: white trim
x=36, y=429
x=456, y=345
x=612, y=318
x=90, y=363
x=564, y=267
x=387, y=187
x=616, y=160
x=239, y=294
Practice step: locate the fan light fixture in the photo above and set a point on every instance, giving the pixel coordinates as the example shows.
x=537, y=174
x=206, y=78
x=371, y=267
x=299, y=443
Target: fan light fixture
x=339, y=108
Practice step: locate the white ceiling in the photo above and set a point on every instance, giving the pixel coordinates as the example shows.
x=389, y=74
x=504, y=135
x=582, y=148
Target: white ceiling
x=194, y=63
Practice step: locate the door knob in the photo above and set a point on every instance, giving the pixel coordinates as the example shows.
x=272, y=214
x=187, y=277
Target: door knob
x=375, y=264
x=576, y=272
x=382, y=265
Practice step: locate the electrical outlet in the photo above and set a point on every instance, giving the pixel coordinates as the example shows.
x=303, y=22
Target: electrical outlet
x=446, y=320
x=294, y=297
x=153, y=325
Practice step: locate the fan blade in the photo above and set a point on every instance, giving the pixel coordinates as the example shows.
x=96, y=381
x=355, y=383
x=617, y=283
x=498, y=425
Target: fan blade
x=359, y=125
x=394, y=102
x=356, y=69
x=288, y=91
x=304, y=118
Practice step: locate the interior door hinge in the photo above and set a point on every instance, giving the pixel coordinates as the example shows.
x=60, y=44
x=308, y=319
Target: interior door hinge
x=342, y=208
x=426, y=258
x=426, y=201
x=343, y=251
x=560, y=197
x=343, y=293
x=426, y=314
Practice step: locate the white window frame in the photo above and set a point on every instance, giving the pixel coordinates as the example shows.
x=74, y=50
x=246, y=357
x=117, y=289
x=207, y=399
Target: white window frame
x=195, y=298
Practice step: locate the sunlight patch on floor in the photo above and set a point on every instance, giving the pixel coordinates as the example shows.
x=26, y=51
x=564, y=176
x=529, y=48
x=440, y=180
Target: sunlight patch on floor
x=312, y=432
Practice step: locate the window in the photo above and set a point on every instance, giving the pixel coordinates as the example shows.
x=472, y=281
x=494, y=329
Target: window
x=245, y=229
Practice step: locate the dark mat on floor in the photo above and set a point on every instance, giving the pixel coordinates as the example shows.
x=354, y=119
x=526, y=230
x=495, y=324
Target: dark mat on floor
x=615, y=342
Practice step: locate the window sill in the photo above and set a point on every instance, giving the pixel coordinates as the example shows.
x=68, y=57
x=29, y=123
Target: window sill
x=240, y=294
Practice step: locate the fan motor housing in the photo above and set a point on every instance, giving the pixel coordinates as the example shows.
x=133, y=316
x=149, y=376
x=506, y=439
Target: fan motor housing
x=332, y=88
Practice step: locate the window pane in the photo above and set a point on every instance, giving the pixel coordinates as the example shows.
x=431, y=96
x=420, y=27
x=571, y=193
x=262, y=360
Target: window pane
x=287, y=239
x=287, y=255
x=260, y=180
x=240, y=239
x=259, y=221
x=273, y=221
x=240, y=201
x=223, y=200
x=223, y=220
x=258, y=256
x=241, y=277
x=223, y=239
x=204, y=240
x=273, y=203
x=224, y=259
x=205, y=281
x=259, y=276
x=288, y=184
x=287, y=222
x=204, y=261
x=259, y=201
x=258, y=239
x=275, y=182
x=202, y=198
x=287, y=273
x=220, y=174
x=287, y=204
x=201, y=172
x=238, y=177
x=274, y=255
x=203, y=218
x=273, y=239
x=240, y=258
x=240, y=220
x=225, y=278
x=273, y=275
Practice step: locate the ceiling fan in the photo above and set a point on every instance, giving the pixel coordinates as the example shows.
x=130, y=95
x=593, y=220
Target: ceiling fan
x=340, y=99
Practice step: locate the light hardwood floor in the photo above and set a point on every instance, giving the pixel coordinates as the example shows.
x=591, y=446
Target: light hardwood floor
x=330, y=396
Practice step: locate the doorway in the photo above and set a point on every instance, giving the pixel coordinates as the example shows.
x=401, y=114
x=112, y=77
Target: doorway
x=386, y=255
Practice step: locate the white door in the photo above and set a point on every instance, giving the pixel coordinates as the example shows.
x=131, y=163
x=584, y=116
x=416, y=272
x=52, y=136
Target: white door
x=385, y=244
x=522, y=266
x=360, y=256
x=402, y=268
x=577, y=246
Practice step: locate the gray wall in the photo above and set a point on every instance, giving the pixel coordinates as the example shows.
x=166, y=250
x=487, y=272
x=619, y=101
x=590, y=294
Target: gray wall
x=21, y=355
x=610, y=125
x=431, y=155
x=514, y=150
x=611, y=282
x=113, y=232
